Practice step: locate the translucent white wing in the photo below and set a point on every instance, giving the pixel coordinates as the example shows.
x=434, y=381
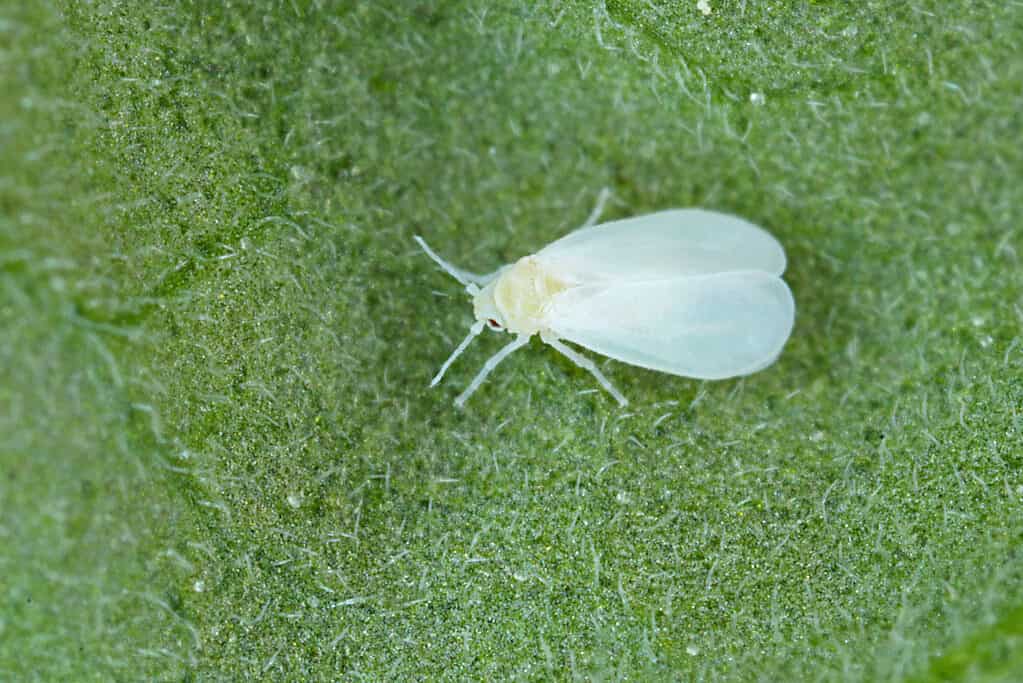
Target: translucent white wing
x=668, y=244
x=707, y=327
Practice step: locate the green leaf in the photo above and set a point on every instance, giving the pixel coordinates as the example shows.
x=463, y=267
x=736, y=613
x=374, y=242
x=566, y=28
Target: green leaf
x=219, y=456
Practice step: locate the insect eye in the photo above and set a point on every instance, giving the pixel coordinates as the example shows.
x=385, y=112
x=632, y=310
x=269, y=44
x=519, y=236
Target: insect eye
x=494, y=325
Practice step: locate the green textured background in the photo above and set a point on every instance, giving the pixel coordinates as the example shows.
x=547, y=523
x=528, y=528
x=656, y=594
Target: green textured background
x=219, y=455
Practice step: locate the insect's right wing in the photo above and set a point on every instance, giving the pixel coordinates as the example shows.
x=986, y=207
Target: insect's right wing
x=667, y=244
x=707, y=327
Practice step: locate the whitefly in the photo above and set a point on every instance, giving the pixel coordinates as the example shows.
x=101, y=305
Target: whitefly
x=689, y=292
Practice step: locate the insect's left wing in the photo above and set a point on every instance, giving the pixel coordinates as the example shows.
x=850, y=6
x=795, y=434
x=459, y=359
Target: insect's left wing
x=707, y=327
x=667, y=244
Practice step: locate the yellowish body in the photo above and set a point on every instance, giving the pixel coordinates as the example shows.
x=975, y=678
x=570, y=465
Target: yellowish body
x=518, y=298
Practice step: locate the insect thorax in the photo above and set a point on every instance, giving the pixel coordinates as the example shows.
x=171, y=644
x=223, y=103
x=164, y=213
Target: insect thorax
x=522, y=294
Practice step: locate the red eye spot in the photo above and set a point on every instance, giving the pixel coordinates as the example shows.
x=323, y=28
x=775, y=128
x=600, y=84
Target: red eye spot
x=493, y=323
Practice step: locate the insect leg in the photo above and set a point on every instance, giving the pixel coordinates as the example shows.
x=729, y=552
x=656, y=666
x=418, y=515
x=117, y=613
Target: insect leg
x=463, y=276
x=586, y=364
x=476, y=328
x=519, y=342
x=602, y=198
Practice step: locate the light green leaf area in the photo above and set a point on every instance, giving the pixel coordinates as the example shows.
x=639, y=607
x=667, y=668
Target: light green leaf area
x=219, y=457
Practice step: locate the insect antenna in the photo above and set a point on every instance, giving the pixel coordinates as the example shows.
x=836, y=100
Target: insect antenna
x=463, y=276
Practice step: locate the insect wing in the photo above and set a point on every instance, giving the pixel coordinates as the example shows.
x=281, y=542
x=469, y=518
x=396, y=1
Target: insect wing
x=707, y=327
x=667, y=244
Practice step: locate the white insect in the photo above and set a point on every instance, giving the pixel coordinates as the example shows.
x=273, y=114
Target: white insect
x=689, y=292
